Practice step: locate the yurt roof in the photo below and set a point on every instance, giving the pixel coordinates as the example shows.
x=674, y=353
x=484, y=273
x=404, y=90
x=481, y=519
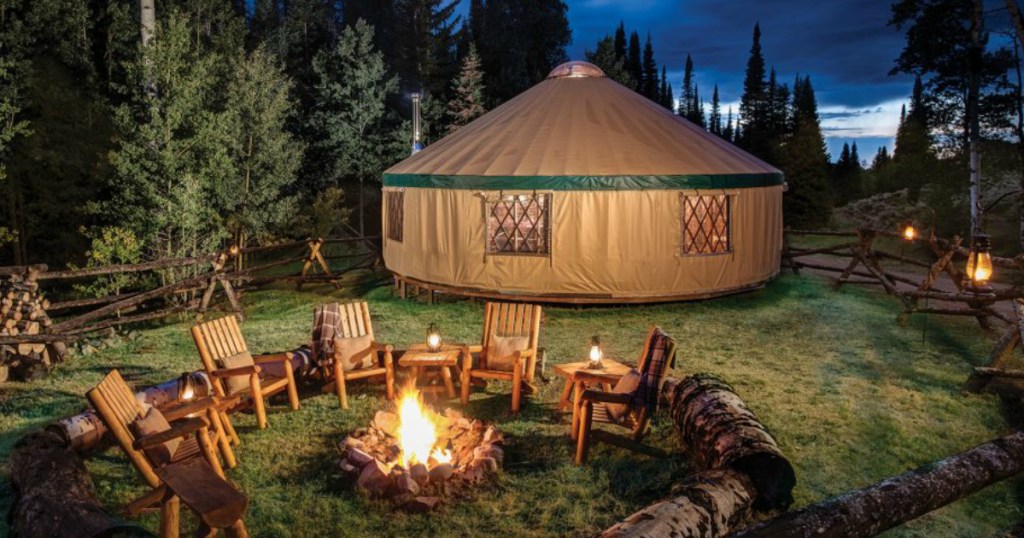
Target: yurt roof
x=580, y=130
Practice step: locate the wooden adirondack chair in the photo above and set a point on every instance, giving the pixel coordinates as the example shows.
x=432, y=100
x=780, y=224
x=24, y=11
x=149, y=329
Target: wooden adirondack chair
x=219, y=339
x=505, y=320
x=193, y=474
x=655, y=360
x=354, y=321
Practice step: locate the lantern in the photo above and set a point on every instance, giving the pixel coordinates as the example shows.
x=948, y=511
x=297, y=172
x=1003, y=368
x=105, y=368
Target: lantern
x=186, y=387
x=433, y=338
x=909, y=232
x=979, y=262
x=596, y=353
x=234, y=250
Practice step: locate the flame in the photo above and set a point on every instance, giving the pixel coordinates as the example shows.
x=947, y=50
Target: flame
x=595, y=353
x=416, y=433
x=434, y=341
x=909, y=233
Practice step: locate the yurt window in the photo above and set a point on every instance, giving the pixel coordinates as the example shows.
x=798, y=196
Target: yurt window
x=396, y=214
x=519, y=224
x=706, y=228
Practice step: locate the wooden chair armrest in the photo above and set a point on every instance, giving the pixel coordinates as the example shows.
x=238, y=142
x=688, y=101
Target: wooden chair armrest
x=606, y=397
x=235, y=372
x=388, y=348
x=271, y=358
x=475, y=348
x=179, y=411
x=178, y=429
x=526, y=353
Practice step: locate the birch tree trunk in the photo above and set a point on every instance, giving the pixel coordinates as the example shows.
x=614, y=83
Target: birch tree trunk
x=973, y=122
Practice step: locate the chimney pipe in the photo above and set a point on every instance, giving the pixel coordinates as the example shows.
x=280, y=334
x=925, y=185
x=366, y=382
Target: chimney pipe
x=417, y=145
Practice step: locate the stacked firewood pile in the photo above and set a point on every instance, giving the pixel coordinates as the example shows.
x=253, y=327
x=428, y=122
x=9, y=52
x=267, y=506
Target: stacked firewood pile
x=23, y=312
x=371, y=457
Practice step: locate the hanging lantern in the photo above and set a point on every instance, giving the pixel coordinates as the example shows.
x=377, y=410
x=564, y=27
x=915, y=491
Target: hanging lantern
x=186, y=387
x=433, y=338
x=596, y=353
x=979, y=262
x=909, y=232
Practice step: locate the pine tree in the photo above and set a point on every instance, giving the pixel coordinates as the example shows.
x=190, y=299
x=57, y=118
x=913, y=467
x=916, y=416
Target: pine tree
x=664, y=90
x=727, y=131
x=881, y=159
x=804, y=160
x=620, y=42
x=854, y=156
x=914, y=159
x=754, y=111
x=425, y=46
x=697, y=114
x=467, y=103
x=633, y=61
x=715, y=121
x=650, y=68
x=613, y=67
x=686, y=97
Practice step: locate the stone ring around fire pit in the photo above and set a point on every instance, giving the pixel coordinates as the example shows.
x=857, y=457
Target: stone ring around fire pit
x=418, y=458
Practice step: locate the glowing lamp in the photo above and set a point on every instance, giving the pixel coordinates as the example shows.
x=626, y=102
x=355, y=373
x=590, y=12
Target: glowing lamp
x=433, y=338
x=909, y=232
x=979, y=262
x=596, y=353
x=233, y=250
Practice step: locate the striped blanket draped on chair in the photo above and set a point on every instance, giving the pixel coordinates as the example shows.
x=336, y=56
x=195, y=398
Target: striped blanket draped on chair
x=655, y=366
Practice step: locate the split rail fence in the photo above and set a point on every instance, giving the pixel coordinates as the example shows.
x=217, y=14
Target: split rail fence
x=35, y=329
x=862, y=264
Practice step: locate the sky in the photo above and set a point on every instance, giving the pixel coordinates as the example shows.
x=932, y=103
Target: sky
x=845, y=46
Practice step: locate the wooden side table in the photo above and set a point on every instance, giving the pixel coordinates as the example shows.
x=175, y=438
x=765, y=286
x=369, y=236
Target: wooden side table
x=578, y=376
x=419, y=360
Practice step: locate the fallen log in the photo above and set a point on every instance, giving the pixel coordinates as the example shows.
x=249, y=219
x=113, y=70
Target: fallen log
x=54, y=493
x=707, y=504
x=721, y=433
x=897, y=500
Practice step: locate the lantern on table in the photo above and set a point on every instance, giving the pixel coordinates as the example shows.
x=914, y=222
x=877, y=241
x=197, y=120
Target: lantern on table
x=979, y=261
x=433, y=338
x=596, y=353
x=909, y=232
x=186, y=388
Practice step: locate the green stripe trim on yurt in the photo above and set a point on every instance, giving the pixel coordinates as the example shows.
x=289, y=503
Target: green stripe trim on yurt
x=585, y=183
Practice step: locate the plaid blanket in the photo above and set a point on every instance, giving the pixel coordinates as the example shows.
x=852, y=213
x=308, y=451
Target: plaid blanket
x=655, y=368
x=325, y=326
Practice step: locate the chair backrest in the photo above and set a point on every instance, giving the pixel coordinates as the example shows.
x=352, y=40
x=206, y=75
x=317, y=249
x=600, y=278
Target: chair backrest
x=216, y=340
x=658, y=355
x=512, y=319
x=118, y=409
x=338, y=320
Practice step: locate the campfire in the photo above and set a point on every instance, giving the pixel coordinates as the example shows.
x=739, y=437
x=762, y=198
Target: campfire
x=418, y=458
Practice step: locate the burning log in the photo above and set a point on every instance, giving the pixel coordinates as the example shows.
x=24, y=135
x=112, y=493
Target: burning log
x=707, y=504
x=418, y=458
x=721, y=433
x=896, y=500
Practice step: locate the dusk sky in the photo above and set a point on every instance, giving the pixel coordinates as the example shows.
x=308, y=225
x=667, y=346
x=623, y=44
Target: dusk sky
x=844, y=45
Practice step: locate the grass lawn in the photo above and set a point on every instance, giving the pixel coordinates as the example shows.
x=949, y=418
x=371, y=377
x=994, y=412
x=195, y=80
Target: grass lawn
x=850, y=396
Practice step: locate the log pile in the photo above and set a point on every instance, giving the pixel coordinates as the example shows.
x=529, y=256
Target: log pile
x=371, y=456
x=23, y=313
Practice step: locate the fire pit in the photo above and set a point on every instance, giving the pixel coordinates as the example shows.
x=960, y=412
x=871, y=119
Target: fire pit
x=417, y=457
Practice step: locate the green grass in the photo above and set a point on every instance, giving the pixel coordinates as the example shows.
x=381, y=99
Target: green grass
x=851, y=397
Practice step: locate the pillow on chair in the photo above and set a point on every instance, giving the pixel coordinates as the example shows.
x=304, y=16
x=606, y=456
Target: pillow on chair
x=627, y=384
x=237, y=383
x=154, y=422
x=501, y=348
x=354, y=352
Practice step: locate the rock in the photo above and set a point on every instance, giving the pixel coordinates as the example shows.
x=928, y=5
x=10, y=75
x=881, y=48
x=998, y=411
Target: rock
x=405, y=484
x=374, y=478
x=473, y=473
x=494, y=436
x=351, y=442
x=419, y=473
x=420, y=505
x=360, y=432
x=359, y=458
x=489, y=464
x=386, y=422
x=347, y=466
x=441, y=472
x=489, y=451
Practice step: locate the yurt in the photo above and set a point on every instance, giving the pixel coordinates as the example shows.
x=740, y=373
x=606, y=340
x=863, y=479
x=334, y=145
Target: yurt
x=580, y=190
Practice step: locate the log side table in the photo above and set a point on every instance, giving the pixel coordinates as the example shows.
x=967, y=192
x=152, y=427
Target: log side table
x=578, y=376
x=419, y=360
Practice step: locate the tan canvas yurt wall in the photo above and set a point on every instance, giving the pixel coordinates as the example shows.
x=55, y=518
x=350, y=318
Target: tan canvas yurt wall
x=582, y=190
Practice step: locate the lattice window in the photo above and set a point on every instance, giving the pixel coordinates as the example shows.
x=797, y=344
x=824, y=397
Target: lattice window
x=396, y=214
x=519, y=224
x=706, y=227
